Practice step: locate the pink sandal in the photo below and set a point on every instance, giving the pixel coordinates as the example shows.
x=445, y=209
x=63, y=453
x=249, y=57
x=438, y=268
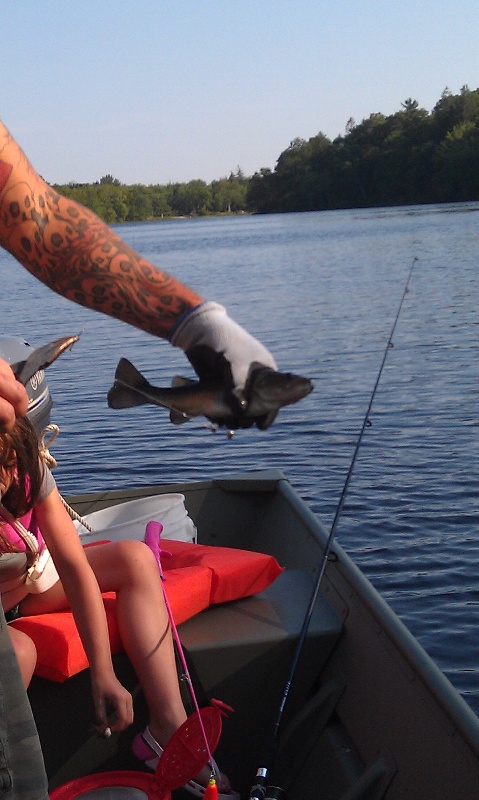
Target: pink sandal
x=146, y=748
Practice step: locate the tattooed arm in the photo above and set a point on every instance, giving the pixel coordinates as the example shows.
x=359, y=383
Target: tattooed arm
x=72, y=251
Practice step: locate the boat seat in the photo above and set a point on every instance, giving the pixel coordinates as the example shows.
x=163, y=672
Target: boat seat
x=256, y=633
x=195, y=576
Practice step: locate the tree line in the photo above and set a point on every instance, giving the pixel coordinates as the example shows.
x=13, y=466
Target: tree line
x=116, y=202
x=406, y=158
x=410, y=157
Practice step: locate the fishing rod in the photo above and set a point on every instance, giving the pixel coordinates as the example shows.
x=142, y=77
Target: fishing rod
x=259, y=790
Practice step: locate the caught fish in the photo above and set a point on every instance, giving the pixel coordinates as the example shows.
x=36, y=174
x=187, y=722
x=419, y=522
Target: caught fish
x=266, y=391
x=42, y=357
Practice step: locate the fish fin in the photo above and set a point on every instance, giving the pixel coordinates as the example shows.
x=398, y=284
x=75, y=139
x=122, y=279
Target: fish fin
x=268, y=419
x=177, y=418
x=128, y=374
x=129, y=384
x=179, y=381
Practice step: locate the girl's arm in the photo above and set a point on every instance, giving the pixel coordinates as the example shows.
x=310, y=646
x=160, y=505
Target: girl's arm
x=83, y=594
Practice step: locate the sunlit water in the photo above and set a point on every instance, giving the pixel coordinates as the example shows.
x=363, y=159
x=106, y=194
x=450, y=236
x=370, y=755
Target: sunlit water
x=322, y=291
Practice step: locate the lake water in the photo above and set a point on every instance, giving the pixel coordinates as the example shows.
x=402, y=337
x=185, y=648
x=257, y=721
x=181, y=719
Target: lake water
x=321, y=290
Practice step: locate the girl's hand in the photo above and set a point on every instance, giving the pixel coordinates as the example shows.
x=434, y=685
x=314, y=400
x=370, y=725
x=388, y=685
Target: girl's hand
x=110, y=696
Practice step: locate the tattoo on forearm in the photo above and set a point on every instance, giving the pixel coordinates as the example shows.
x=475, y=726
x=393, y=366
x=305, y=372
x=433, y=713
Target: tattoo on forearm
x=73, y=252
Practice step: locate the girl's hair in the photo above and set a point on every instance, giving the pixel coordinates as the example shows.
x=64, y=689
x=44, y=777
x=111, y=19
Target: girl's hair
x=19, y=456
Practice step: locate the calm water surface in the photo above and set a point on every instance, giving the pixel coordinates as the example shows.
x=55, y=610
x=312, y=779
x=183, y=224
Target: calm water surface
x=322, y=291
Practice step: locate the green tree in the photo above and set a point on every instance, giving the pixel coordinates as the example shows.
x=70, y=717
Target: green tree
x=457, y=164
x=410, y=104
x=260, y=191
x=193, y=198
x=228, y=194
x=139, y=202
x=111, y=180
x=159, y=202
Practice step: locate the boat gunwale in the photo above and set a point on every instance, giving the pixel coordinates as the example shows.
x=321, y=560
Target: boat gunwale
x=423, y=666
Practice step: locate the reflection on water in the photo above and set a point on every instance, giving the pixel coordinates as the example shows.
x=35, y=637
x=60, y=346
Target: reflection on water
x=322, y=291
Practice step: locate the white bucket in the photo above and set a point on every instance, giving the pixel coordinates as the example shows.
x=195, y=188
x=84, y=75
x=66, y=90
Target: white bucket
x=129, y=520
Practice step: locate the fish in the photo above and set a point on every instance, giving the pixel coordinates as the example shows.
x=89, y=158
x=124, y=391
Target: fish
x=42, y=357
x=265, y=392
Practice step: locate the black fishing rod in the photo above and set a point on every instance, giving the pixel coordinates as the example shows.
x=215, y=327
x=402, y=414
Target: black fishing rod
x=261, y=790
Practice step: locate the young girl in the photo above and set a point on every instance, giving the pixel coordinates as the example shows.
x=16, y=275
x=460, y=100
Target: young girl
x=128, y=568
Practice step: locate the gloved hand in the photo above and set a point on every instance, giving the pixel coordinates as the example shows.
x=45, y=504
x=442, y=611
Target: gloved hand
x=219, y=348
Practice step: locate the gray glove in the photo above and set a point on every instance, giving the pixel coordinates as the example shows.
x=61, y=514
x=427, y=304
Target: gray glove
x=219, y=348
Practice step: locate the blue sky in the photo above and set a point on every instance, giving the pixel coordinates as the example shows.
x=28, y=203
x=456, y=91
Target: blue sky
x=153, y=91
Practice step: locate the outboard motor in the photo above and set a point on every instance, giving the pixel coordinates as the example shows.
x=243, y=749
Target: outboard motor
x=14, y=350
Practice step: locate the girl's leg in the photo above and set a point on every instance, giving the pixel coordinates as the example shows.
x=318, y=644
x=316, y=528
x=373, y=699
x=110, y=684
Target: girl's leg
x=26, y=654
x=130, y=569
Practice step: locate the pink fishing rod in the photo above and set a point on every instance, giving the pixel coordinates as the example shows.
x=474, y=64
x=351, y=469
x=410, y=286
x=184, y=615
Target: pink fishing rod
x=152, y=539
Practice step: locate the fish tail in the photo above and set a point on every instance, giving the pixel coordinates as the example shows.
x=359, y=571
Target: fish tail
x=129, y=387
x=121, y=397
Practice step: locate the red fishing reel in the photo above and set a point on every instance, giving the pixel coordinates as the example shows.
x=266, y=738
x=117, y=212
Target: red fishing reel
x=184, y=756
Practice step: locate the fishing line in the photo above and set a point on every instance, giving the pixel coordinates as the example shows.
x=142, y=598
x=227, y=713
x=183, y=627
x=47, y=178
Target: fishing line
x=258, y=791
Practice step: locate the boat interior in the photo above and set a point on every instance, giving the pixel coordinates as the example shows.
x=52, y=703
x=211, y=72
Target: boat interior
x=357, y=694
